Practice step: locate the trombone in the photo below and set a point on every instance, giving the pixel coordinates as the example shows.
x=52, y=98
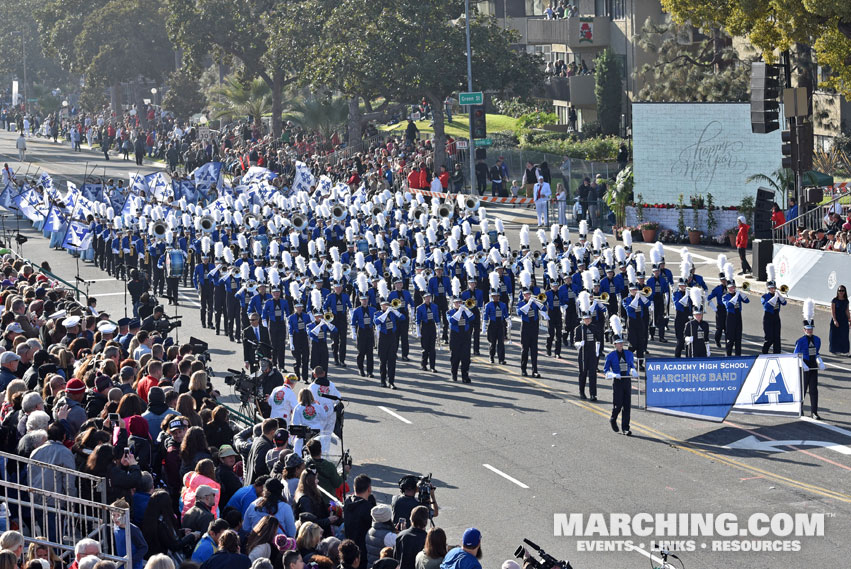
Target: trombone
x=647, y=291
x=604, y=296
x=541, y=298
x=784, y=289
x=328, y=316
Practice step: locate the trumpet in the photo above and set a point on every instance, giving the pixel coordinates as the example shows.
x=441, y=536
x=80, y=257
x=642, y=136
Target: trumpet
x=470, y=303
x=784, y=289
x=604, y=296
x=647, y=291
x=328, y=316
x=396, y=303
x=542, y=297
x=746, y=285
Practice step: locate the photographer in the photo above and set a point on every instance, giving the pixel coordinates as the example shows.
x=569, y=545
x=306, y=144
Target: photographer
x=403, y=504
x=270, y=379
x=328, y=478
x=155, y=321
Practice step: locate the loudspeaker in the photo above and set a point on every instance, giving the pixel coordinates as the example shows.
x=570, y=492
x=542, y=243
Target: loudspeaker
x=762, y=228
x=765, y=97
x=763, y=253
x=813, y=195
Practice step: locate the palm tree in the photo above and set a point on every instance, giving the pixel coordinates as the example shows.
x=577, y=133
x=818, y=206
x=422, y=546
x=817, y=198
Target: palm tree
x=234, y=98
x=782, y=181
x=319, y=114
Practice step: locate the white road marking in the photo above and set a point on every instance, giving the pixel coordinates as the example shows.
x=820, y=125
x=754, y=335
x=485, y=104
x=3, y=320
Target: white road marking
x=827, y=426
x=506, y=476
x=98, y=295
x=394, y=414
x=189, y=301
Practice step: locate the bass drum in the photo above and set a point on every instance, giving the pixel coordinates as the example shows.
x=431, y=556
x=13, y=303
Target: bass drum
x=175, y=261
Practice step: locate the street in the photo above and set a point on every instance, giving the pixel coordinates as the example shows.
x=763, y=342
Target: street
x=509, y=453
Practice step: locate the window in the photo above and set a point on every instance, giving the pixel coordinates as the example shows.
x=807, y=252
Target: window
x=601, y=7
x=618, y=9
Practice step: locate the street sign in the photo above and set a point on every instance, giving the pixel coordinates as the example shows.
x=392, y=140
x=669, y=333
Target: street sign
x=204, y=132
x=473, y=98
x=461, y=144
x=480, y=142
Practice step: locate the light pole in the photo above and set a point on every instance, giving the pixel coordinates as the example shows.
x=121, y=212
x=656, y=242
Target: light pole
x=472, y=148
x=154, y=95
x=24, y=57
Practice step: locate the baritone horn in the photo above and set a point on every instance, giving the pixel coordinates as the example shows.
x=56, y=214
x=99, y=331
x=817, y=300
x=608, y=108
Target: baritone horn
x=338, y=212
x=396, y=303
x=784, y=289
x=471, y=203
x=470, y=303
x=299, y=222
x=746, y=285
x=542, y=297
x=207, y=223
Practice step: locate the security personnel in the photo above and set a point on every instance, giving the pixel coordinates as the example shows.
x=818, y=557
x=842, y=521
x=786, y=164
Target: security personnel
x=388, y=323
x=495, y=315
x=554, y=308
x=716, y=301
x=339, y=304
x=428, y=317
x=589, y=346
x=479, y=300
x=275, y=314
x=771, y=303
x=318, y=332
x=439, y=285
x=620, y=368
x=808, y=346
x=363, y=332
x=697, y=334
x=530, y=313
x=407, y=303
x=683, y=308
x=733, y=303
x=661, y=289
x=459, y=339
x=203, y=283
x=297, y=325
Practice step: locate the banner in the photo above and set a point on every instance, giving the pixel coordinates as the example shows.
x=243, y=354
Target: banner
x=810, y=273
x=709, y=388
x=208, y=176
x=78, y=236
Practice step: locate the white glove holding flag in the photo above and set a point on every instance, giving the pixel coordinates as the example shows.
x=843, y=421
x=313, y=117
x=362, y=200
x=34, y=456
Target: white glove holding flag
x=634, y=372
x=689, y=339
x=820, y=361
x=354, y=333
x=578, y=345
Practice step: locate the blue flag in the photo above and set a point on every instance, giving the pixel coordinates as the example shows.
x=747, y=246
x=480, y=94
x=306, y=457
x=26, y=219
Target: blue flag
x=77, y=237
x=54, y=219
x=93, y=192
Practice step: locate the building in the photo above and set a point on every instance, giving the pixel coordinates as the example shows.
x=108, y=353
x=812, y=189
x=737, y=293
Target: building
x=596, y=25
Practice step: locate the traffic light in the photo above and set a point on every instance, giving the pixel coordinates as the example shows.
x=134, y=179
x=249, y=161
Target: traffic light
x=765, y=94
x=478, y=120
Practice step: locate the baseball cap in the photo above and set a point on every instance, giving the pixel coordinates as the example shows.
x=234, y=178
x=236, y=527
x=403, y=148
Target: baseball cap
x=293, y=461
x=9, y=357
x=14, y=327
x=472, y=537
x=127, y=372
x=204, y=490
x=281, y=436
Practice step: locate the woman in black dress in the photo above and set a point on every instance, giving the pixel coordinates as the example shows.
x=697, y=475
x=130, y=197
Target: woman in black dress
x=840, y=317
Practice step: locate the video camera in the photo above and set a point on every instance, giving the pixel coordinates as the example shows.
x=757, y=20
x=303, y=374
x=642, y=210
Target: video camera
x=424, y=488
x=547, y=561
x=166, y=324
x=244, y=384
x=302, y=432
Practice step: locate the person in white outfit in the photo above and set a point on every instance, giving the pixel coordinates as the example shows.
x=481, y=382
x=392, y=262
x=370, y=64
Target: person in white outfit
x=21, y=145
x=541, y=191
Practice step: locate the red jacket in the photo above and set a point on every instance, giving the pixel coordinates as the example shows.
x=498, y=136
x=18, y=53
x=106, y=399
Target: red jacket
x=742, y=236
x=144, y=385
x=444, y=180
x=414, y=180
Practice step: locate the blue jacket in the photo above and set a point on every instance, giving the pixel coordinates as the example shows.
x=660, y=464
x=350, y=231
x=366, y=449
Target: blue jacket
x=802, y=347
x=204, y=550
x=457, y=558
x=138, y=545
x=768, y=307
x=423, y=310
x=613, y=364
x=269, y=310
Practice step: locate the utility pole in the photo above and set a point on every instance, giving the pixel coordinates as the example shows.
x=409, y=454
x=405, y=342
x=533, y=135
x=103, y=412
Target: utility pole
x=472, y=148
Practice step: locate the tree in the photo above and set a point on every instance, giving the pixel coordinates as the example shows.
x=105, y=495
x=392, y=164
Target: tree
x=19, y=23
x=323, y=114
x=777, y=25
x=707, y=70
x=237, y=98
x=416, y=50
x=184, y=96
x=251, y=34
x=107, y=41
x=608, y=91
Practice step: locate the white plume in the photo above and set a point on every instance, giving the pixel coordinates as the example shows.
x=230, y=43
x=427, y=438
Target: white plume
x=770, y=271
x=456, y=287
x=809, y=309
x=616, y=325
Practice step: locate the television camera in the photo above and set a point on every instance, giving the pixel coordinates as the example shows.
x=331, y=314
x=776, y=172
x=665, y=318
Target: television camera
x=547, y=561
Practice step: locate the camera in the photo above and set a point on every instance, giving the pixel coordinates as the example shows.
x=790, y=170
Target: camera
x=243, y=384
x=303, y=432
x=547, y=561
x=424, y=488
x=164, y=325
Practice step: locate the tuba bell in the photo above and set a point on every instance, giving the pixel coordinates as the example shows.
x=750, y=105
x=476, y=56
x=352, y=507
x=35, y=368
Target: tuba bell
x=299, y=222
x=207, y=223
x=158, y=229
x=471, y=203
x=444, y=211
x=418, y=211
x=339, y=213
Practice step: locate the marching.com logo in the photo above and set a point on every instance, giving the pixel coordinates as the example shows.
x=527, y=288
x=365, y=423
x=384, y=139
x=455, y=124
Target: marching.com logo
x=758, y=532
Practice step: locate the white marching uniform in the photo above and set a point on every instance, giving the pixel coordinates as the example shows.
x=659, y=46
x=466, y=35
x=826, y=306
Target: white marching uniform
x=282, y=400
x=312, y=416
x=541, y=192
x=327, y=404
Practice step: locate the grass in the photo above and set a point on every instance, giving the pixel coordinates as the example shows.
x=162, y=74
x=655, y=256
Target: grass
x=459, y=127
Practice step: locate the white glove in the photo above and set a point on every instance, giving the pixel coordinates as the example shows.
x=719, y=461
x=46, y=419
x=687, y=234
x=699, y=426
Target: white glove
x=611, y=375
x=773, y=300
x=578, y=345
x=468, y=312
x=820, y=361
x=689, y=339
x=599, y=348
x=712, y=305
x=634, y=303
x=292, y=349
x=544, y=315
x=417, y=331
x=708, y=351
x=683, y=301
x=525, y=308
x=354, y=333
x=633, y=372
x=805, y=366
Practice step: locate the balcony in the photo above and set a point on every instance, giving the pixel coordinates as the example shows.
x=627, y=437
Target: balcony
x=557, y=88
x=575, y=33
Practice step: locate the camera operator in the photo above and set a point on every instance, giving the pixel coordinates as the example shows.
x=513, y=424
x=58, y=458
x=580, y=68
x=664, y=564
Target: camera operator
x=137, y=286
x=269, y=379
x=327, y=476
x=155, y=321
x=405, y=502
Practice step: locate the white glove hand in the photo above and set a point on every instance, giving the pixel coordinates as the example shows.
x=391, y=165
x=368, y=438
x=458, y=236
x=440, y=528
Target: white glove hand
x=417, y=331
x=578, y=345
x=396, y=312
x=689, y=339
x=354, y=333
x=610, y=375
x=633, y=372
x=820, y=361
x=805, y=366
x=292, y=349
x=599, y=348
x=708, y=351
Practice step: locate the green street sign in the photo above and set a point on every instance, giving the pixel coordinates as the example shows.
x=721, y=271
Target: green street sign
x=483, y=142
x=474, y=98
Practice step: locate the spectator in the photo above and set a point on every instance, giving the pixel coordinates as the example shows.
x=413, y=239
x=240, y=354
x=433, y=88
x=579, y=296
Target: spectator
x=271, y=503
x=840, y=317
x=138, y=545
x=193, y=449
x=157, y=411
x=207, y=545
x=230, y=483
x=256, y=462
x=200, y=515
x=84, y=548
x=309, y=500
x=326, y=471
x=777, y=216
x=742, y=244
x=357, y=516
x=482, y=176
x=160, y=528
x=792, y=212
x=260, y=542
x=350, y=555
x=309, y=536
x=467, y=555
x=124, y=476
x=434, y=550
x=160, y=561
x=410, y=542
x=380, y=535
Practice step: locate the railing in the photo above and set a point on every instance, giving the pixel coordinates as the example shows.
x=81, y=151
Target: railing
x=812, y=218
x=53, y=515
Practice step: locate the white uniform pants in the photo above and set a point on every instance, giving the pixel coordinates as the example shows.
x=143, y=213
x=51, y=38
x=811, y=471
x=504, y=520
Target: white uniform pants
x=541, y=211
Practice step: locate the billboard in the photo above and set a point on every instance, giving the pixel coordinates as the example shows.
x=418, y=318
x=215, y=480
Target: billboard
x=697, y=149
x=709, y=388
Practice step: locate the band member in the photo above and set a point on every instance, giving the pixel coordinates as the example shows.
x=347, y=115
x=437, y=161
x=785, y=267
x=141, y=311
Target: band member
x=696, y=331
x=620, y=368
x=338, y=304
x=175, y=265
x=297, y=324
x=478, y=301
x=554, y=311
x=716, y=301
x=530, y=312
x=589, y=345
x=809, y=346
x=318, y=331
x=275, y=314
x=771, y=303
x=407, y=302
x=495, y=317
x=363, y=332
x=660, y=288
x=388, y=323
x=636, y=307
x=682, y=308
x=203, y=283
x=439, y=286
x=459, y=339
x=428, y=317
x=733, y=301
